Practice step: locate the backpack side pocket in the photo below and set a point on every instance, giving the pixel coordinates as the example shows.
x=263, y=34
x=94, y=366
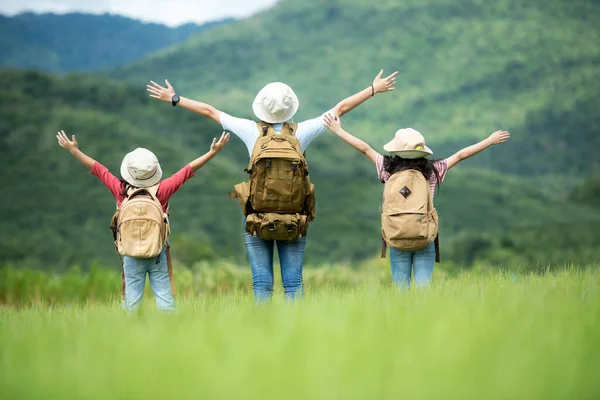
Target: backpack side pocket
x=241, y=191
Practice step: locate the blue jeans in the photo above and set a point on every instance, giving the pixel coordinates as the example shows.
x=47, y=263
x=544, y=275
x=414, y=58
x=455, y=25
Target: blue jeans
x=403, y=261
x=291, y=257
x=135, y=280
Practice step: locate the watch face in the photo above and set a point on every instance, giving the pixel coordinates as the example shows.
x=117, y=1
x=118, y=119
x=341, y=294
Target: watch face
x=175, y=98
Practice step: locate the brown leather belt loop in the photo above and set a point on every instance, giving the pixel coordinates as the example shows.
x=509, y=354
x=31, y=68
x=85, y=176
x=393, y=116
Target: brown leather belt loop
x=437, y=249
x=383, y=247
x=170, y=268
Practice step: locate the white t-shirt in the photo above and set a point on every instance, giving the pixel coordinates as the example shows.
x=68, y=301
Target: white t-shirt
x=247, y=130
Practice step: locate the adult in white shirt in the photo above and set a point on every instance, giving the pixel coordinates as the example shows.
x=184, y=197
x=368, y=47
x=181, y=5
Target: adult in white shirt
x=275, y=104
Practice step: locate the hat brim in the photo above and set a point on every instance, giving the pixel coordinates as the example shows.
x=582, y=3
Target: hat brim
x=264, y=115
x=139, y=183
x=408, y=154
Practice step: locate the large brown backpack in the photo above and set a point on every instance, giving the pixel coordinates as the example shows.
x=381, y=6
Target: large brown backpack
x=278, y=200
x=409, y=221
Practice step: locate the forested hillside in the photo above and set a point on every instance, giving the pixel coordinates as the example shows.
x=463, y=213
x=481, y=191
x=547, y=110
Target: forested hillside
x=83, y=42
x=54, y=213
x=467, y=67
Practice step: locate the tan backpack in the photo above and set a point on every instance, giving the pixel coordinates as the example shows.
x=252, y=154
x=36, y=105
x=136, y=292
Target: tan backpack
x=409, y=221
x=279, y=200
x=140, y=226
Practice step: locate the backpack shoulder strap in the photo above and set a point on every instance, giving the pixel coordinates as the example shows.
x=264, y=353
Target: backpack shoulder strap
x=289, y=129
x=151, y=190
x=265, y=129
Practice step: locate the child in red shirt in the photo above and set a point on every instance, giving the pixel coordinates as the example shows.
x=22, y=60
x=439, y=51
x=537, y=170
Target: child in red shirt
x=140, y=169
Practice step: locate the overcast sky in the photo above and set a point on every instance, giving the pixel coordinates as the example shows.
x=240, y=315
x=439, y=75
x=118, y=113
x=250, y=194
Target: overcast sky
x=168, y=12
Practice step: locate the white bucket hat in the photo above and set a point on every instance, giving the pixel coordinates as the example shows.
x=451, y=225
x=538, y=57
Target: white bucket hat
x=408, y=143
x=275, y=103
x=140, y=168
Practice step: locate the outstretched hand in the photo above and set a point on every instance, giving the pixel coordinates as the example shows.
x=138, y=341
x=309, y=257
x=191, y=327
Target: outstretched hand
x=386, y=84
x=499, y=137
x=161, y=93
x=332, y=122
x=65, y=143
x=217, y=146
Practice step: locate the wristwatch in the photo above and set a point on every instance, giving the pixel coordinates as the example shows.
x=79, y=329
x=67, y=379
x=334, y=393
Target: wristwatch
x=175, y=99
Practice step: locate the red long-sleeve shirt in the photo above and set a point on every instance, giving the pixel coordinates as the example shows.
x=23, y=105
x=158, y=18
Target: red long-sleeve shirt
x=166, y=188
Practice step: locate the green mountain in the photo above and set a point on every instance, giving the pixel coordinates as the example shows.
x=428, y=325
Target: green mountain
x=83, y=42
x=55, y=214
x=467, y=68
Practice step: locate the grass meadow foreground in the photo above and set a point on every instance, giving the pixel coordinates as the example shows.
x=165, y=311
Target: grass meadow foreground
x=468, y=337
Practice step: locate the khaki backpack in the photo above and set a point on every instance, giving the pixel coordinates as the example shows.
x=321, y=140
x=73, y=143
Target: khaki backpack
x=409, y=221
x=279, y=200
x=140, y=226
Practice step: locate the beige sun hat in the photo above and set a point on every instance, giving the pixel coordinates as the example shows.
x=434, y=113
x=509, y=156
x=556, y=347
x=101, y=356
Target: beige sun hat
x=140, y=168
x=275, y=103
x=408, y=143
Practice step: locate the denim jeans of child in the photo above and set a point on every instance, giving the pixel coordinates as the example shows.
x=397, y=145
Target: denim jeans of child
x=135, y=280
x=403, y=262
x=291, y=258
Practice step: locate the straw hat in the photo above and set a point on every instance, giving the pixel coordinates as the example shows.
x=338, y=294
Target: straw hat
x=140, y=168
x=408, y=143
x=275, y=103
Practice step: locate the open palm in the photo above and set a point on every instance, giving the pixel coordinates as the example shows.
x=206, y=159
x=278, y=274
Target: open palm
x=217, y=145
x=381, y=85
x=64, y=142
x=161, y=93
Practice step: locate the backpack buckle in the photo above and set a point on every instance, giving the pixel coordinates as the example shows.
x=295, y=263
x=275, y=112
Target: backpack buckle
x=290, y=228
x=294, y=167
x=272, y=227
x=268, y=163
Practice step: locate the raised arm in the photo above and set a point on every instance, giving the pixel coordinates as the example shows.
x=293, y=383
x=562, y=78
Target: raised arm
x=335, y=125
x=215, y=147
x=497, y=137
x=379, y=86
x=73, y=148
x=166, y=94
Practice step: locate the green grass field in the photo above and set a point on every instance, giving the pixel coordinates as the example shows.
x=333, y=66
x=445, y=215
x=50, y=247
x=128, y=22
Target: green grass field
x=468, y=337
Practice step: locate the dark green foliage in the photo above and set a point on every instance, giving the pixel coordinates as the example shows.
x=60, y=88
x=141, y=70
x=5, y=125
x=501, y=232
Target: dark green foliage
x=589, y=191
x=466, y=67
x=54, y=213
x=83, y=42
